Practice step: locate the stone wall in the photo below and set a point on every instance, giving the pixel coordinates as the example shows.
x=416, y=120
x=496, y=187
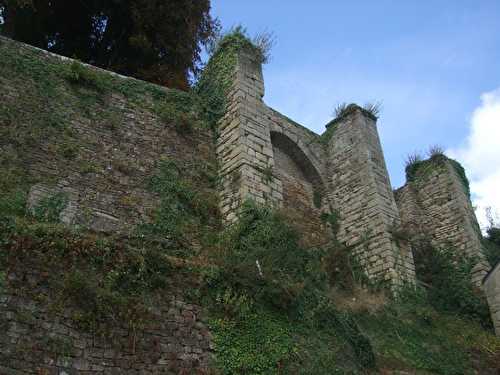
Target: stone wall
x=245, y=150
x=99, y=148
x=491, y=286
x=37, y=340
x=360, y=188
x=267, y=157
x=435, y=205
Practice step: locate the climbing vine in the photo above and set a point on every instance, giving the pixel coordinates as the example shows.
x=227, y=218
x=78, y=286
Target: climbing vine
x=215, y=82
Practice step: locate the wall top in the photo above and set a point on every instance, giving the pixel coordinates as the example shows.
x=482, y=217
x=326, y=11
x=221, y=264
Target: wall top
x=350, y=110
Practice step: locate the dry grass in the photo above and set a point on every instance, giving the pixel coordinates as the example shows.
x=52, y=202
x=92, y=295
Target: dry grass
x=360, y=300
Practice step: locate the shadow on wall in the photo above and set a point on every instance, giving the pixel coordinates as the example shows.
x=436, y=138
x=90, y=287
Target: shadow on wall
x=304, y=194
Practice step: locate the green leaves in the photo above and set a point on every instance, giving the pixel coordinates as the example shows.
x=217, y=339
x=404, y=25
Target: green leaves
x=49, y=209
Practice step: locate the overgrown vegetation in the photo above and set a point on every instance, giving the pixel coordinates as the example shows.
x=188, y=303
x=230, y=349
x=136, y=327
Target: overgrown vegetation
x=215, y=81
x=108, y=282
x=188, y=207
x=273, y=305
x=448, y=277
x=261, y=270
x=417, y=166
x=491, y=241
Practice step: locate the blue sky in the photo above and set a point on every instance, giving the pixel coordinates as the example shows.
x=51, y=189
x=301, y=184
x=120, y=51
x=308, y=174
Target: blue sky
x=428, y=62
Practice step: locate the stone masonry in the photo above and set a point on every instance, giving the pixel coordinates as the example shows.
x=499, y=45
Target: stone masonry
x=436, y=206
x=267, y=157
x=36, y=340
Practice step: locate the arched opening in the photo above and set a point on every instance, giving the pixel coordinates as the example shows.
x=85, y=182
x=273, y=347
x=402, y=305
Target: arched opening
x=304, y=195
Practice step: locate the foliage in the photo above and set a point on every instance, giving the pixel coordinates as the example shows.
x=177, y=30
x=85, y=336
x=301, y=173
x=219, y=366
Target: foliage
x=184, y=208
x=416, y=167
x=340, y=110
x=461, y=175
x=492, y=245
x=259, y=344
x=105, y=282
x=77, y=73
x=49, y=208
x=261, y=255
x=435, y=151
x=215, y=81
x=159, y=41
x=13, y=203
x=373, y=108
x=261, y=268
x=411, y=335
x=179, y=108
x=450, y=289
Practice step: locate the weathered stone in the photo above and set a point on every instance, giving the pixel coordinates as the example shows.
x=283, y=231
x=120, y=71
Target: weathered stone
x=279, y=162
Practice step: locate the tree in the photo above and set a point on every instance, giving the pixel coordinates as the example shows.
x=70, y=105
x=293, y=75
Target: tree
x=492, y=239
x=156, y=40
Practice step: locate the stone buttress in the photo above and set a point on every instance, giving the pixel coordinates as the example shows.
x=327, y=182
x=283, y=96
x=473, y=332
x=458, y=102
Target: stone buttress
x=435, y=205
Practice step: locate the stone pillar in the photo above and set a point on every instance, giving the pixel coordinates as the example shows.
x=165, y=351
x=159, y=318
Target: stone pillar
x=491, y=287
x=244, y=148
x=436, y=205
x=360, y=187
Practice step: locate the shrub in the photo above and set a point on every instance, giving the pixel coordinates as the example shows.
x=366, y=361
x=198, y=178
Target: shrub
x=448, y=276
x=260, y=263
x=261, y=255
x=49, y=209
x=105, y=283
x=492, y=244
x=78, y=73
x=340, y=110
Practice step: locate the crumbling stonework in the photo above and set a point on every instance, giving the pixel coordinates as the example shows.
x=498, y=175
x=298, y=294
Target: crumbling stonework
x=104, y=153
x=267, y=157
x=36, y=340
x=435, y=205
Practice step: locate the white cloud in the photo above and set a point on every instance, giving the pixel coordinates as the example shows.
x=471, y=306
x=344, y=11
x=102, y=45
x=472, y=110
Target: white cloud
x=480, y=156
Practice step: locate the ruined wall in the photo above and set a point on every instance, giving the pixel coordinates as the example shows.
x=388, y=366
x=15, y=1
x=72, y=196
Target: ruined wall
x=248, y=167
x=99, y=145
x=435, y=205
x=97, y=138
x=360, y=188
x=37, y=340
x=267, y=157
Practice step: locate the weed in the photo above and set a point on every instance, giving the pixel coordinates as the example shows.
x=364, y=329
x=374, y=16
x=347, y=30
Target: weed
x=49, y=209
x=435, y=151
x=450, y=289
x=68, y=150
x=373, y=108
x=340, y=110
x=78, y=73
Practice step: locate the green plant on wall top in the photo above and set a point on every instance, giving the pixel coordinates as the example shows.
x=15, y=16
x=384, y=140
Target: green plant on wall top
x=417, y=168
x=217, y=77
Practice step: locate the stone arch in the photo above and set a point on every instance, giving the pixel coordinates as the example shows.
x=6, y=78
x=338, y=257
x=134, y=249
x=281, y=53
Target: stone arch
x=300, y=138
x=304, y=193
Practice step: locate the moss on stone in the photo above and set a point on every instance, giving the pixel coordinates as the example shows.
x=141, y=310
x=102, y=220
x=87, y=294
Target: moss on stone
x=421, y=168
